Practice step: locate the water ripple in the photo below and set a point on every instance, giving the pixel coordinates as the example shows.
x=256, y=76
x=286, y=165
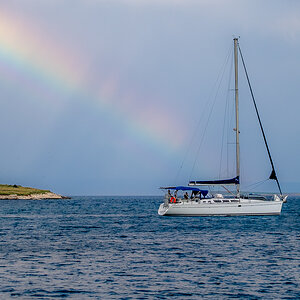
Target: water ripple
x=118, y=247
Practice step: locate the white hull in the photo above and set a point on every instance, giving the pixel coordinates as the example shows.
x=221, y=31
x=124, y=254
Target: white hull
x=242, y=207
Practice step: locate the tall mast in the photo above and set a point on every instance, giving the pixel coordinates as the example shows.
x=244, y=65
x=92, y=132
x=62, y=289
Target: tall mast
x=237, y=132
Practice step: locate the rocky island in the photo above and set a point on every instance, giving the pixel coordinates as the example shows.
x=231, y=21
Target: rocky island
x=10, y=192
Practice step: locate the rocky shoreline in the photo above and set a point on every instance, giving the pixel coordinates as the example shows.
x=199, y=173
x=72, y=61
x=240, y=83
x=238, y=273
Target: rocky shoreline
x=48, y=195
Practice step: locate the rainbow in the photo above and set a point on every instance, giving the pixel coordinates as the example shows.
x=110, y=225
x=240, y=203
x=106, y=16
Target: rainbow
x=46, y=67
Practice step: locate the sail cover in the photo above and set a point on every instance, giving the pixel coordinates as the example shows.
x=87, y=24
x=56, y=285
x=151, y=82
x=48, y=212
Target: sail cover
x=186, y=188
x=235, y=180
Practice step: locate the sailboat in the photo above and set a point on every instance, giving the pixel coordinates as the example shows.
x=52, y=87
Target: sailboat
x=203, y=203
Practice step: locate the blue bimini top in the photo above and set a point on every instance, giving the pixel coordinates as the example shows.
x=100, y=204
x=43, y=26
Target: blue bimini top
x=186, y=188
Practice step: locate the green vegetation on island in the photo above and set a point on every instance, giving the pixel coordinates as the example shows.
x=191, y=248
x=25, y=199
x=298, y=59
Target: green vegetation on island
x=19, y=190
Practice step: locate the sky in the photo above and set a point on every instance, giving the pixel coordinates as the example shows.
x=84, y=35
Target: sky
x=112, y=97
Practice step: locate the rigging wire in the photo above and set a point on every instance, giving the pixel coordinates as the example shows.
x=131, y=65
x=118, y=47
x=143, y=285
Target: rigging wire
x=230, y=122
x=190, y=144
x=211, y=110
x=224, y=121
x=256, y=184
x=206, y=107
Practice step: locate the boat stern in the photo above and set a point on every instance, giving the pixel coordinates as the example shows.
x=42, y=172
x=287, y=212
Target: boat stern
x=163, y=208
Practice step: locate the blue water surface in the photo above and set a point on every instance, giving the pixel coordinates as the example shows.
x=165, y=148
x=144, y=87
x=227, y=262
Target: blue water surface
x=119, y=248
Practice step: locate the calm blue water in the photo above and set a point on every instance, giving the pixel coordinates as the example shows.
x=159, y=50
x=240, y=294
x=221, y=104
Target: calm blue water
x=118, y=247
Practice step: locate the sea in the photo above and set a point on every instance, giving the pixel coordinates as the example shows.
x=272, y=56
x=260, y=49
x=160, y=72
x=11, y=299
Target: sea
x=120, y=248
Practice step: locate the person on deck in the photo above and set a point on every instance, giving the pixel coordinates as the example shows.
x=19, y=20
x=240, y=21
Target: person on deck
x=169, y=194
x=186, y=196
x=194, y=194
x=198, y=195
